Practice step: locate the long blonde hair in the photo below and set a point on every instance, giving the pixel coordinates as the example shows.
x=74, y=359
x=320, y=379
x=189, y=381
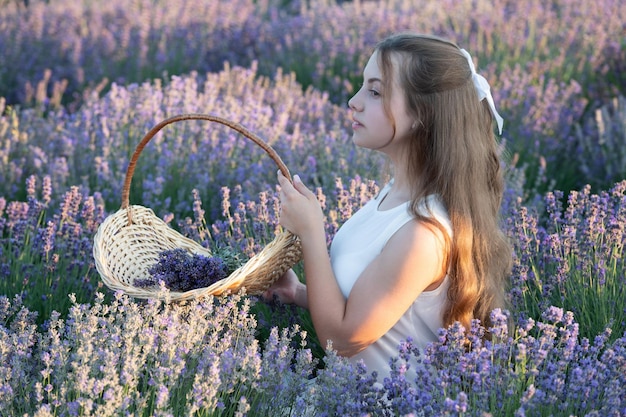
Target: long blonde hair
x=453, y=153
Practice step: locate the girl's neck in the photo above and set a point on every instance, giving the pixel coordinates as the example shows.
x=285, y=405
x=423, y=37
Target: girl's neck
x=399, y=193
x=404, y=187
x=402, y=184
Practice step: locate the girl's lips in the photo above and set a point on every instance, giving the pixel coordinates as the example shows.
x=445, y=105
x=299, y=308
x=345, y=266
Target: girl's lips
x=356, y=125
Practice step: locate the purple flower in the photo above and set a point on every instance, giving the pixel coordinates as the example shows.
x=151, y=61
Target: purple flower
x=181, y=271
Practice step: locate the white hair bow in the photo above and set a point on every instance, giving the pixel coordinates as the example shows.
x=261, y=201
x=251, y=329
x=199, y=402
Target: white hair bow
x=483, y=90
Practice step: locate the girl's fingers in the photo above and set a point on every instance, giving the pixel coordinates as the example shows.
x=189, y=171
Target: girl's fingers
x=285, y=185
x=302, y=189
x=297, y=185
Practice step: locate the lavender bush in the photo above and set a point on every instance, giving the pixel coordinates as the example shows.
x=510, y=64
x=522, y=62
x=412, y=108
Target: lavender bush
x=602, y=135
x=123, y=358
x=547, y=360
x=543, y=367
x=91, y=148
x=202, y=358
x=99, y=75
x=322, y=41
x=572, y=257
x=45, y=250
x=551, y=64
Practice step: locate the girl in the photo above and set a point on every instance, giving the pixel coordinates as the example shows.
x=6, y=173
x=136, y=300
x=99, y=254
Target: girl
x=428, y=250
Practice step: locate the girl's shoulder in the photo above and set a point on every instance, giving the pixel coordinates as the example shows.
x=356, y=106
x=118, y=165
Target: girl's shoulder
x=432, y=206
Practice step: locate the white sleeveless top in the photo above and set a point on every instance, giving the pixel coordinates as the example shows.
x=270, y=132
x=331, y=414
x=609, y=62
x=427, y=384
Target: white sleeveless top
x=356, y=244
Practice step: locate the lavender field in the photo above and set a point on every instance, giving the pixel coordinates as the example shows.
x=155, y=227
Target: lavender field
x=82, y=81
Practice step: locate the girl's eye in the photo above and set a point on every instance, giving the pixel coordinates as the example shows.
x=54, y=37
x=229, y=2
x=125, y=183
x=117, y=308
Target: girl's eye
x=374, y=93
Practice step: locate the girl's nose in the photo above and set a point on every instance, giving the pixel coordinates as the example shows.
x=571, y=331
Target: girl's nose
x=352, y=103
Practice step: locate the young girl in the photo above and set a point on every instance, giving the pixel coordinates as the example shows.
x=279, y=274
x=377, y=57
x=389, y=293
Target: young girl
x=428, y=250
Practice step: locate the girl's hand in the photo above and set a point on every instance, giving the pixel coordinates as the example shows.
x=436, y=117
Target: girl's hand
x=288, y=289
x=301, y=212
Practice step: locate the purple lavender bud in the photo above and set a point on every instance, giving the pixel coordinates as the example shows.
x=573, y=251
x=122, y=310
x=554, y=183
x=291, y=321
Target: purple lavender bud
x=181, y=271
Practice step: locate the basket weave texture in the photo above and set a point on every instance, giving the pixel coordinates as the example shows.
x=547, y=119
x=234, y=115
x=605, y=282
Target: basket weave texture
x=129, y=241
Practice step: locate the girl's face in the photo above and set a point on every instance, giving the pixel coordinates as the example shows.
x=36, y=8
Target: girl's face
x=373, y=129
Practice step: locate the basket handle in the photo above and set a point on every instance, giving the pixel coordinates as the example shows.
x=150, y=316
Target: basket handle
x=193, y=116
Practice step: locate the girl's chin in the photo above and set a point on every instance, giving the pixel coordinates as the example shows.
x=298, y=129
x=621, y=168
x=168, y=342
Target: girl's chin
x=356, y=140
x=361, y=140
x=361, y=144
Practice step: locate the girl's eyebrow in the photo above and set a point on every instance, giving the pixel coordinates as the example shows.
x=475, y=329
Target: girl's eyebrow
x=373, y=80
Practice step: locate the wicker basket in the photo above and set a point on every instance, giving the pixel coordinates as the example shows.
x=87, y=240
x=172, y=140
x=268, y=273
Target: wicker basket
x=129, y=241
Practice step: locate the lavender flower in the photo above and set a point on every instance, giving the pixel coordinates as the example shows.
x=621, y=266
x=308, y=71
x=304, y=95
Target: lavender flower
x=181, y=271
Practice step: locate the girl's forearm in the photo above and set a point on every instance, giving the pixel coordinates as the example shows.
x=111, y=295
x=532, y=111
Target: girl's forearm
x=325, y=300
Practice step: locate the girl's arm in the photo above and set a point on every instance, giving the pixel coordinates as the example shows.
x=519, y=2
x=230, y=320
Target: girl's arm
x=411, y=262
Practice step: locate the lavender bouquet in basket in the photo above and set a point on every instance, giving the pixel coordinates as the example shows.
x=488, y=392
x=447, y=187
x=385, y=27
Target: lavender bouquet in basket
x=183, y=271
